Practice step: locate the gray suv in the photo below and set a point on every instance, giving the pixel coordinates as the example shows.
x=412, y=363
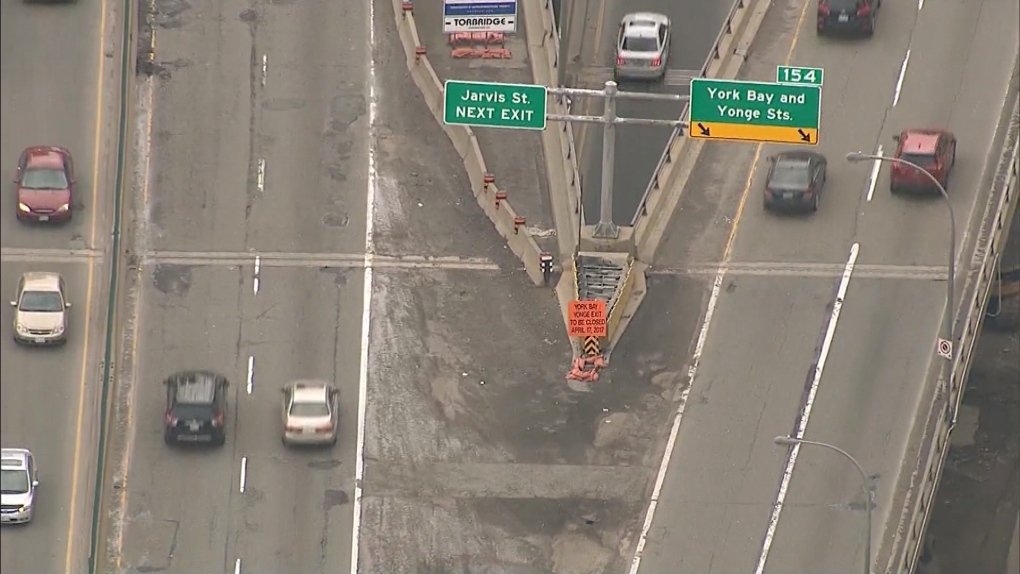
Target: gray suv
x=18, y=480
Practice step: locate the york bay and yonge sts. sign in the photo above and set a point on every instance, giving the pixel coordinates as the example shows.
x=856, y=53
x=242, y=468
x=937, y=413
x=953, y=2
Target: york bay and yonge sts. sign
x=482, y=104
x=755, y=111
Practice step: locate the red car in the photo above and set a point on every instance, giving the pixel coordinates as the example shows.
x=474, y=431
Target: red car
x=934, y=150
x=45, y=180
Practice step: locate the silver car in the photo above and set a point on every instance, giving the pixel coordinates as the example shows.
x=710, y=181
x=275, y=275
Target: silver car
x=40, y=309
x=311, y=413
x=18, y=481
x=642, y=47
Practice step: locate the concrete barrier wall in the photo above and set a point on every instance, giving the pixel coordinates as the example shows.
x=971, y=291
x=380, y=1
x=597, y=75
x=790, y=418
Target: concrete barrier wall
x=502, y=216
x=909, y=545
x=724, y=62
x=558, y=139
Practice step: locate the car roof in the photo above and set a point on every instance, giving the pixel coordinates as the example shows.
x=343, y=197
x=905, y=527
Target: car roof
x=196, y=387
x=920, y=141
x=45, y=157
x=41, y=281
x=15, y=458
x=643, y=23
x=309, y=391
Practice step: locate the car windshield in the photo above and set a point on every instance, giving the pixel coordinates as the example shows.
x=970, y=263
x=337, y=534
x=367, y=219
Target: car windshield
x=41, y=302
x=640, y=44
x=44, y=179
x=13, y=481
x=921, y=159
x=843, y=4
x=790, y=175
x=309, y=410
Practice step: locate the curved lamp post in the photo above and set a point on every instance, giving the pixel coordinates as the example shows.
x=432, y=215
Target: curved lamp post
x=947, y=321
x=865, y=485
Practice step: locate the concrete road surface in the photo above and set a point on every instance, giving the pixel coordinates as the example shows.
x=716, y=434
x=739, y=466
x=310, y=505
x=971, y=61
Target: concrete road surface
x=695, y=26
x=50, y=93
x=259, y=151
x=775, y=307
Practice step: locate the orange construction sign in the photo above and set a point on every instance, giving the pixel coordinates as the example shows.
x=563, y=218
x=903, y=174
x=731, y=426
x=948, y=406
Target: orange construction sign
x=587, y=319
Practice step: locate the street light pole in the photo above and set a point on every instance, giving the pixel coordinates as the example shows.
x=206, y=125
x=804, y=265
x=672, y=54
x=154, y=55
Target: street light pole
x=947, y=320
x=865, y=485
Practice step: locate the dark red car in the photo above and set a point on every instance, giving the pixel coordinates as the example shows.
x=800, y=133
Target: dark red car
x=45, y=180
x=933, y=150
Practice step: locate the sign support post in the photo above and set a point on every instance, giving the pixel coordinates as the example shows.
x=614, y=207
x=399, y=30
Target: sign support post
x=606, y=228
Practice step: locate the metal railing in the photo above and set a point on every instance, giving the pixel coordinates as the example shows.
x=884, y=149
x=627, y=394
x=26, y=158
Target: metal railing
x=713, y=55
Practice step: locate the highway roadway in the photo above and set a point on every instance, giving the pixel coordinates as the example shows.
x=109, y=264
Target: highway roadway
x=258, y=150
x=695, y=25
x=775, y=343
x=50, y=94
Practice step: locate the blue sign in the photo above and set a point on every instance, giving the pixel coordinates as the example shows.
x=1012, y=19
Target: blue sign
x=479, y=16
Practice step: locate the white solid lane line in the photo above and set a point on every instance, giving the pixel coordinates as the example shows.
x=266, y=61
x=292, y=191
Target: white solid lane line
x=873, y=181
x=258, y=269
x=899, y=81
x=809, y=402
x=251, y=373
x=366, y=296
x=244, y=473
x=920, y=4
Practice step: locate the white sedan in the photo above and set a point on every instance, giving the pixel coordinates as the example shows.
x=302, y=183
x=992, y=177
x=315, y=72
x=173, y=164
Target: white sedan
x=311, y=413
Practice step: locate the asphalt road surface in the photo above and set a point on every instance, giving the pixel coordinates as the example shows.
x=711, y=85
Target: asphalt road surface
x=50, y=91
x=775, y=306
x=259, y=151
x=695, y=26
x=478, y=455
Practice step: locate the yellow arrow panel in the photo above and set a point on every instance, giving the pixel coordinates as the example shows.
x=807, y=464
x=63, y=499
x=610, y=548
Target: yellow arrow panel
x=751, y=133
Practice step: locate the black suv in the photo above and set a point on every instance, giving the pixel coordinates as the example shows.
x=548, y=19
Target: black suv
x=850, y=16
x=196, y=402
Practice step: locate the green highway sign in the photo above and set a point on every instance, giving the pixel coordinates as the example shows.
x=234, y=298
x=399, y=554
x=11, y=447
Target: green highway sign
x=489, y=105
x=755, y=111
x=799, y=75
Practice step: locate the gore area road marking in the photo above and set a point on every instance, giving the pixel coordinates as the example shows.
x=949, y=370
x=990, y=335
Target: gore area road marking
x=809, y=402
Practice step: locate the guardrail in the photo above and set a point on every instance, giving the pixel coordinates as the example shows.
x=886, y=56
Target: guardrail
x=984, y=264
x=669, y=153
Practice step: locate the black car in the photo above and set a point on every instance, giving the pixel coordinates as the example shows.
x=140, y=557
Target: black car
x=847, y=16
x=795, y=180
x=196, y=405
